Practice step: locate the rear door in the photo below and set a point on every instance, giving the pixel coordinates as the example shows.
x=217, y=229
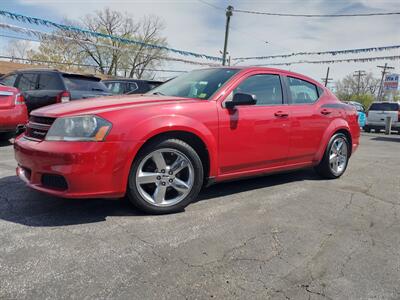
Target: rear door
x=41, y=89
x=309, y=117
x=378, y=112
x=27, y=83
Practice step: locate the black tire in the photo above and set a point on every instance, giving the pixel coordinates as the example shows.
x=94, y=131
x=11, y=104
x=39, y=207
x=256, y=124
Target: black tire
x=367, y=129
x=5, y=136
x=139, y=201
x=324, y=168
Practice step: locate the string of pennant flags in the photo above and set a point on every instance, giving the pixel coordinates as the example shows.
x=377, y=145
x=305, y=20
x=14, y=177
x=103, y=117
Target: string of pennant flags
x=363, y=59
x=330, y=52
x=88, y=33
x=43, y=35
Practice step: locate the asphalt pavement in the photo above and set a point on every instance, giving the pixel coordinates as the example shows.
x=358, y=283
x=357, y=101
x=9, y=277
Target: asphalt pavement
x=287, y=236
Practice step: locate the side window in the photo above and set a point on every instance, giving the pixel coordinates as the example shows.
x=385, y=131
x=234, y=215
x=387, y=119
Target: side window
x=27, y=82
x=115, y=87
x=50, y=82
x=9, y=80
x=267, y=89
x=302, y=91
x=132, y=86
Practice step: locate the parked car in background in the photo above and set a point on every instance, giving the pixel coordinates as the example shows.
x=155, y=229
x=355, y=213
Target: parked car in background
x=42, y=87
x=130, y=86
x=377, y=114
x=362, y=116
x=205, y=126
x=13, y=112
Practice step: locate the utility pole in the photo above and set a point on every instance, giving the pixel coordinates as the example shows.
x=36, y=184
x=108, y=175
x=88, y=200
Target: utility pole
x=359, y=74
x=229, y=11
x=384, y=71
x=326, y=80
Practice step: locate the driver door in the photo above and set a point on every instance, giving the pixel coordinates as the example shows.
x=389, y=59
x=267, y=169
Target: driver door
x=254, y=137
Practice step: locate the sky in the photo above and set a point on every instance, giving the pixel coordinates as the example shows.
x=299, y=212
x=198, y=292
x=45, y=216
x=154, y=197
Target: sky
x=199, y=26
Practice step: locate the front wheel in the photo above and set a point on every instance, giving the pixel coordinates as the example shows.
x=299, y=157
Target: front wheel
x=165, y=177
x=336, y=157
x=5, y=136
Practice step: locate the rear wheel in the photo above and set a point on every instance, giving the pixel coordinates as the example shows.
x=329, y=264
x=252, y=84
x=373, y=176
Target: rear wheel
x=5, y=136
x=165, y=177
x=336, y=157
x=367, y=129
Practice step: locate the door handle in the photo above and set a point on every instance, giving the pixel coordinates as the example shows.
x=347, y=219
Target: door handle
x=281, y=114
x=325, y=111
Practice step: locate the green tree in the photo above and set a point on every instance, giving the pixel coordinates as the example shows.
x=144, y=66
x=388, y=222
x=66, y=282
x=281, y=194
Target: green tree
x=364, y=99
x=349, y=86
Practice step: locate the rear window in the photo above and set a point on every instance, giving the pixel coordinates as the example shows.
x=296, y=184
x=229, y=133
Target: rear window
x=385, y=106
x=84, y=84
x=50, y=81
x=9, y=79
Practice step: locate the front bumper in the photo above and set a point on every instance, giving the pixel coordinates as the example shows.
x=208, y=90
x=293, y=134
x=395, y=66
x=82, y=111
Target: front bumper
x=89, y=169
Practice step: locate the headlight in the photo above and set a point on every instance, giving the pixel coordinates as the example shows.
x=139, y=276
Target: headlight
x=81, y=128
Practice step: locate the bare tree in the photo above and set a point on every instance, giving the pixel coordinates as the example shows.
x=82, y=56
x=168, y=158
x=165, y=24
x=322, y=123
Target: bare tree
x=140, y=59
x=18, y=49
x=348, y=86
x=111, y=56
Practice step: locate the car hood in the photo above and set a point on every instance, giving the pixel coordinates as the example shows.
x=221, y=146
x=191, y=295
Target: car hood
x=105, y=104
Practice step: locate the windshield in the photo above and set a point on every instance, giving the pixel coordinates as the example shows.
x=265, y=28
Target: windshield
x=201, y=84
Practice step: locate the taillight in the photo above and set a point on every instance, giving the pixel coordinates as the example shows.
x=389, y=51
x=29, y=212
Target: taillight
x=63, y=97
x=398, y=116
x=19, y=99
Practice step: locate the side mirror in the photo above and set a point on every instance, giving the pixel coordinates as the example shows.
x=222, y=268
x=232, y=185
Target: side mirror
x=241, y=99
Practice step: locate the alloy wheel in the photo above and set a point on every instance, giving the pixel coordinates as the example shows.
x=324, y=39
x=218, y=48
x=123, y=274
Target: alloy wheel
x=164, y=177
x=338, y=156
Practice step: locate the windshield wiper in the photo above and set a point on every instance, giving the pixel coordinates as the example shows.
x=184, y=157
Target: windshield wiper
x=158, y=93
x=98, y=90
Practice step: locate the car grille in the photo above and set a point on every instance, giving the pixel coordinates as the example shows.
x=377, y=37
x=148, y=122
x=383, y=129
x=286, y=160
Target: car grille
x=38, y=127
x=53, y=181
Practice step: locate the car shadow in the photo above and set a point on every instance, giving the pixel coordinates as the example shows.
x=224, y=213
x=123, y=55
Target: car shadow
x=386, y=139
x=22, y=205
x=5, y=143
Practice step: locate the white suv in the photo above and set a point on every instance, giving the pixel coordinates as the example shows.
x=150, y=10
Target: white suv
x=377, y=113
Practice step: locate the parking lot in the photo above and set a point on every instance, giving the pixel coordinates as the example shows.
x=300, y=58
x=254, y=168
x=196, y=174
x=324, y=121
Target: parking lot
x=287, y=236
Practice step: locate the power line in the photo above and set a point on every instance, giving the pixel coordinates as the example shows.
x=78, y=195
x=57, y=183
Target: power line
x=211, y=5
x=18, y=38
x=233, y=27
x=315, y=15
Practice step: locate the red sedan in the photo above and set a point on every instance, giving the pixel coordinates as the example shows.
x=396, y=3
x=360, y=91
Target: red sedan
x=13, y=112
x=205, y=126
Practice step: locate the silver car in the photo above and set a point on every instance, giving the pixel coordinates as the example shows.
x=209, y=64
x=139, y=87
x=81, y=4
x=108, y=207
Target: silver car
x=377, y=114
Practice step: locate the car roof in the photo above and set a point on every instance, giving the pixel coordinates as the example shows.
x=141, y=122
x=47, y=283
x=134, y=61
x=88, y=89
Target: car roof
x=46, y=70
x=268, y=69
x=132, y=80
